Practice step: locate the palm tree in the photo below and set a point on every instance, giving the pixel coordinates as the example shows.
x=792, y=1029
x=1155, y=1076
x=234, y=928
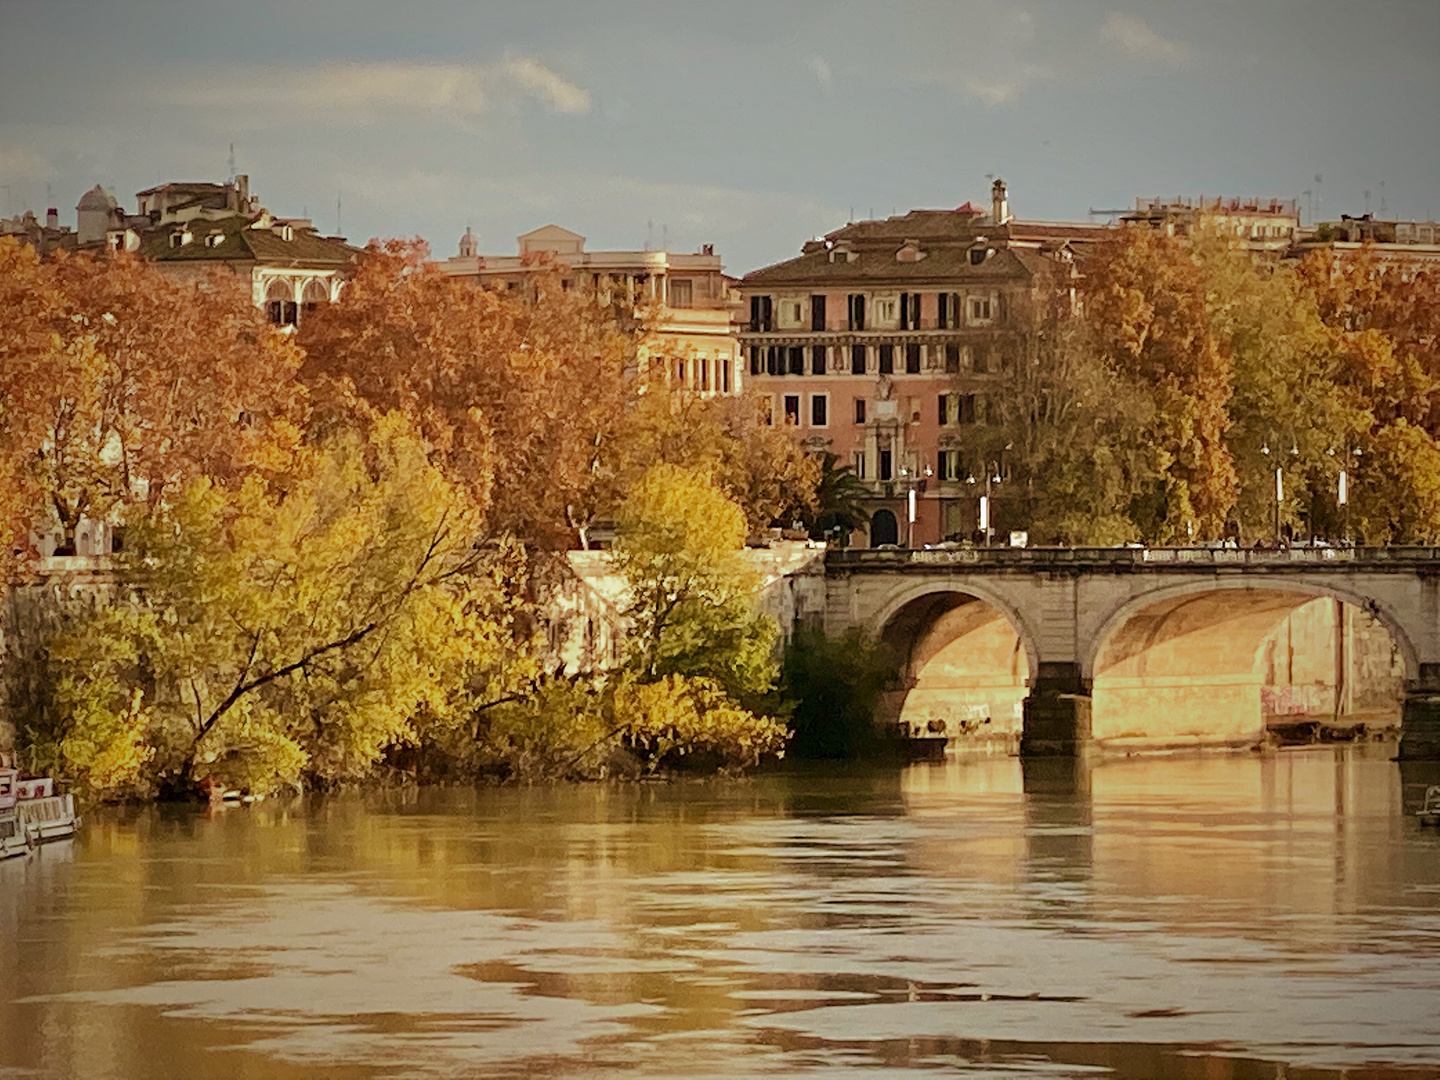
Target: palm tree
x=839, y=499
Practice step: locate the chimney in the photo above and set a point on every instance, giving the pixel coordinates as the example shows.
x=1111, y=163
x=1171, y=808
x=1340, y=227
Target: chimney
x=999, y=205
x=52, y=218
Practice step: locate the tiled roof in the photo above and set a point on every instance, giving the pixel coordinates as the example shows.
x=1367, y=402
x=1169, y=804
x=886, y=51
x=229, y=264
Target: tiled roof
x=244, y=243
x=873, y=265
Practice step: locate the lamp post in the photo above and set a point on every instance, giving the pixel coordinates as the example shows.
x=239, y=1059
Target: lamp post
x=1343, y=490
x=1279, y=484
x=913, y=485
x=992, y=476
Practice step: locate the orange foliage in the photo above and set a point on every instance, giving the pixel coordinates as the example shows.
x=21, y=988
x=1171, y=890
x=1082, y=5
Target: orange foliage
x=518, y=396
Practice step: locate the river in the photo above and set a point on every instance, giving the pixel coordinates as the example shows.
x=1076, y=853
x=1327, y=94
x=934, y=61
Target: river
x=1218, y=917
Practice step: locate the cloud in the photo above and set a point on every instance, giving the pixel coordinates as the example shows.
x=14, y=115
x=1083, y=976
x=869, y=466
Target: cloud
x=1134, y=36
x=360, y=93
x=17, y=163
x=821, y=69
x=556, y=91
x=999, y=64
x=1005, y=88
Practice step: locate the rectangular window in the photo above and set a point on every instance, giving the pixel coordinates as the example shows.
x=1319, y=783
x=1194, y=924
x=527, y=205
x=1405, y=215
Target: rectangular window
x=704, y=373
x=857, y=464
x=679, y=372
x=909, y=311
x=793, y=312
x=965, y=411
x=948, y=465
x=762, y=318
x=857, y=359
x=682, y=292
x=885, y=469
x=980, y=360
x=887, y=359
x=859, y=410
x=792, y=410
x=819, y=410
x=979, y=309
x=797, y=360
x=817, y=359
x=857, y=311
x=952, y=359
x=948, y=310
x=772, y=360
x=884, y=311
x=724, y=368
x=912, y=359
x=757, y=364
x=817, y=312
x=943, y=412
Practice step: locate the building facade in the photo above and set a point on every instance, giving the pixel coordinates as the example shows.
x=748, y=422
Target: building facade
x=884, y=342
x=685, y=304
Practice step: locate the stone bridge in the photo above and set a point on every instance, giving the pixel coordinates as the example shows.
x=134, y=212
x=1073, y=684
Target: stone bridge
x=1136, y=646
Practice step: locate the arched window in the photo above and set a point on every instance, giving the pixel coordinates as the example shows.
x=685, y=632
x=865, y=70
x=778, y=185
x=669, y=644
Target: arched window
x=883, y=528
x=280, y=306
x=314, y=294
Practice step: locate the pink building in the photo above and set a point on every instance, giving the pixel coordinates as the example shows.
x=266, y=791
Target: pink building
x=885, y=342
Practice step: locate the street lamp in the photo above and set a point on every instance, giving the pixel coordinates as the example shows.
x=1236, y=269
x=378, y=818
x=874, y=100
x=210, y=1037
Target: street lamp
x=1343, y=490
x=1279, y=485
x=913, y=484
x=992, y=476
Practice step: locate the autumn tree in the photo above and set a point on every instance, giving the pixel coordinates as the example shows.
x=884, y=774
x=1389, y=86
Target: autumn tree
x=119, y=384
x=297, y=626
x=519, y=393
x=1145, y=300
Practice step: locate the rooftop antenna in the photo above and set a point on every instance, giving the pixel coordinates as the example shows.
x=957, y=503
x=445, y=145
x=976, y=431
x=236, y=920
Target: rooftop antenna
x=1383, y=211
x=338, y=230
x=231, y=163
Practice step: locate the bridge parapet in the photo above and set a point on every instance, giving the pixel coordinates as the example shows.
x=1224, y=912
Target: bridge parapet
x=1127, y=559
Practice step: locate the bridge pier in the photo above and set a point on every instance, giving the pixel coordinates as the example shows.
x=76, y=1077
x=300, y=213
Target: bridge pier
x=1420, y=717
x=1057, y=713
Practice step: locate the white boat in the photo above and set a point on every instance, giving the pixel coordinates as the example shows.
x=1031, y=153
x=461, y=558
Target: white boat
x=31, y=813
x=1429, y=812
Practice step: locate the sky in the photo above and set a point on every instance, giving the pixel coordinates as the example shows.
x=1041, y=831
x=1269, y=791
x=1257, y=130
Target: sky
x=749, y=124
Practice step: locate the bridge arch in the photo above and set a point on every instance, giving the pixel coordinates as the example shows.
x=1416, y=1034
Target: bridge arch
x=966, y=658
x=1184, y=662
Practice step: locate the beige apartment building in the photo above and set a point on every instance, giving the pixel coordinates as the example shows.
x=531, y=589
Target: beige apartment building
x=885, y=342
x=1264, y=226
x=685, y=304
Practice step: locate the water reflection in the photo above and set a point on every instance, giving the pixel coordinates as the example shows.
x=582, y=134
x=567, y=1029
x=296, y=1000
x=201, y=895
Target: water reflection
x=1216, y=916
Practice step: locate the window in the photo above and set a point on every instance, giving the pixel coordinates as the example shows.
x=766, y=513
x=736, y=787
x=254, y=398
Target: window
x=857, y=464
x=965, y=408
x=792, y=410
x=948, y=464
x=979, y=309
x=796, y=358
x=214, y=240
x=794, y=310
x=857, y=359
x=757, y=363
x=977, y=255
x=704, y=373
x=885, y=467
x=948, y=310
x=682, y=292
x=819, y=410
x=952, y=359
x=856, y=313
x=944, y=411
x=762, y=317
x=767, y=409
x=884, y=311
x=909, y=311
x=887, y=359
x=912, y=359
x=980, y=360
x=817, y=360
x=817, y=312
x=281, y=312
x=680, y=372
x=859, y=410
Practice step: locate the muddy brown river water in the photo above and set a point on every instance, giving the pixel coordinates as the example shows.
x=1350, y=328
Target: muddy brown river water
x=1194, y=917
